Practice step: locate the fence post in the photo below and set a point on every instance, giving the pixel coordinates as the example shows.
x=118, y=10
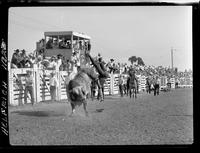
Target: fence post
x=34, y=69
x=59, y=85
x=139, y=82
x=172, y=80
x=111, y=83
x=10, y=86
x=37, y=83
x=43, y=85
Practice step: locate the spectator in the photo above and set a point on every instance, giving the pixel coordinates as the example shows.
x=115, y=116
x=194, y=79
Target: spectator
x=52, y=64
x=99, y=56
x=53, y=85
x=15, y=59
x=49, y=44
x=55, y=43
x=59, y=62
x=39, y=62
x=120, y=84
x=24, y=58
x=3, y=45
x=80, y=45
x=31, y=59
x=111, y=65
x=62, y=43
x=68, y=44
x=75, y=58
x=29, y=87
x=68, y=65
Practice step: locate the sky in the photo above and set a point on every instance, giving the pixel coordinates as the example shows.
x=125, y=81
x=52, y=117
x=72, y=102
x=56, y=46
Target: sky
x=117, y=32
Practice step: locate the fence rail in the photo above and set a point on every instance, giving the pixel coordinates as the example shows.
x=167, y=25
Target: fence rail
x=41, y=90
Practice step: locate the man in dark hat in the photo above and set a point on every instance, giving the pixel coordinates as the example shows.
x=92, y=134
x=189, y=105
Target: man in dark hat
x=15, y=59
x=24, y=58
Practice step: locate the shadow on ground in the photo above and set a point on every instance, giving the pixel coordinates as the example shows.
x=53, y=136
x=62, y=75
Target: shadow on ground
x=37, y=113
x=99, y=110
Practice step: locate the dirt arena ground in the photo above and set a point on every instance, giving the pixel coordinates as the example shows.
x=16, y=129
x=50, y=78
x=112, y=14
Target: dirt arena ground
x=163, y=119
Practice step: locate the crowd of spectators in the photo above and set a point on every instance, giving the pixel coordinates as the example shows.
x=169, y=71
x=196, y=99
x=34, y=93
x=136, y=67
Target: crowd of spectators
x=20, y=59
x=145, y=70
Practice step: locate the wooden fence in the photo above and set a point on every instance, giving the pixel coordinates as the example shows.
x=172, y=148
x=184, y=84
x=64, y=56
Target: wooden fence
x=41, y=91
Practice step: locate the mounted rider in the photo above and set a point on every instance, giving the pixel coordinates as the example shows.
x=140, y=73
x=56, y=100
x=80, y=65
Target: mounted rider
x=102, y=74
x=132, y=75
x=132, y=82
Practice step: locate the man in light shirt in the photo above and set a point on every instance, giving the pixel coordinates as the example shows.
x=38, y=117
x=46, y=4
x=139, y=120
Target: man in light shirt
x=29, y=87
x=59, y=62
x=53, y=85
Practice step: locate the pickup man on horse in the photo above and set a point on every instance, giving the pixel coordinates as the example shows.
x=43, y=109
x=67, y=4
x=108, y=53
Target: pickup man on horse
x=132, y=83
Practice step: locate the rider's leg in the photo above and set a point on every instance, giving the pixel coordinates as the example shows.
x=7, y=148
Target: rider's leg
x=98, y=67
x=99, y=89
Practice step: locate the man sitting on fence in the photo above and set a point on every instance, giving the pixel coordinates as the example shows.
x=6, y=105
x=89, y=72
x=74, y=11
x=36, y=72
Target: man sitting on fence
x=15, y=59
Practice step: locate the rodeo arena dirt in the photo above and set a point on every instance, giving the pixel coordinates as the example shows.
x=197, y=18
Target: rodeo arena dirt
x=44, y=101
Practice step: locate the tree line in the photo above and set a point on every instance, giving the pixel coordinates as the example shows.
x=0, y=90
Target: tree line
x=134, y=59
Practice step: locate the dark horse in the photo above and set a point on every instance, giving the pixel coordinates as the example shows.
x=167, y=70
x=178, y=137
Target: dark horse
x=148, y=85
x=132, y=85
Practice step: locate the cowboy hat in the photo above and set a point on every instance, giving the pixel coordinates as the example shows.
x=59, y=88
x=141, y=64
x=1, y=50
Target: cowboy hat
x=17, y=50
x=53, y=57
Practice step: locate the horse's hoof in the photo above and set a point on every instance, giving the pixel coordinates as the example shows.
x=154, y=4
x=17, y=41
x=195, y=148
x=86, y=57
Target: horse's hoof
x=70, y=115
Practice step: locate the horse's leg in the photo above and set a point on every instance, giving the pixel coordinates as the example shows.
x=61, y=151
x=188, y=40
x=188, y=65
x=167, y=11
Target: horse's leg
x=103, y=91
x=149, y=89
x=85, y=107
x=130, y=92
x=73, y=109
x=124, y=90
x=135, y=93
x=154, y=90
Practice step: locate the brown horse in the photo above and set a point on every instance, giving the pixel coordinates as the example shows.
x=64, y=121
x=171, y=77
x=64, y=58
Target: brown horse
x=133, y=86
